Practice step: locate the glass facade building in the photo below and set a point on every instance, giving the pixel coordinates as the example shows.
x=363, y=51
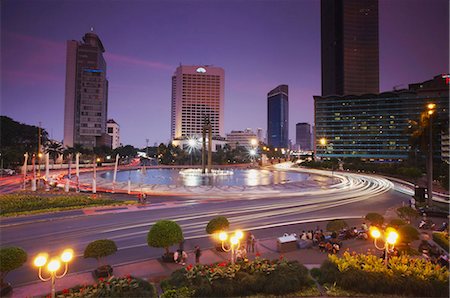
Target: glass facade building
x=375, y=126
x=278, y=117
x=303, y=136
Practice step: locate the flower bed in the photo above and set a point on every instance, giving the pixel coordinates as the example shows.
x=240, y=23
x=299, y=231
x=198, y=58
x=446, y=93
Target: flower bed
x=113, y=287
x=260, y=276
x=16, y=204
x=404, y=275
x=441, y=238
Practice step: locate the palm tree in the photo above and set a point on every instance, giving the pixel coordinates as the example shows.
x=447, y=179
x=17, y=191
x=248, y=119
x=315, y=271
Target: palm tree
x=54, y=149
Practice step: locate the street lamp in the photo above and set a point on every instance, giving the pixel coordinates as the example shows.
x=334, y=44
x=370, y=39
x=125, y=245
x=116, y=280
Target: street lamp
x=430, y=111
x=254, y=142
x=192, y=145
x=53, y=266
x=389, y=238
x=234, y=242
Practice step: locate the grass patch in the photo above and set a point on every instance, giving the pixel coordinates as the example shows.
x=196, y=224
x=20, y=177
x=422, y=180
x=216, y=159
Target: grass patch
x=25, y=203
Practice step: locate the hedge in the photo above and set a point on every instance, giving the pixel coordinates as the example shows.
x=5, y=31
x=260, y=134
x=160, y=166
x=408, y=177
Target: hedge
x=441, y=239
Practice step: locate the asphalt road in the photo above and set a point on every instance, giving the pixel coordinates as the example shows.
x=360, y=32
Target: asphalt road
x=265, y=217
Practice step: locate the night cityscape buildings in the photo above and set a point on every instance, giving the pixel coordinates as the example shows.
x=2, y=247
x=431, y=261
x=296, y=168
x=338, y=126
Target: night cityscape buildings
x=242, y=138
x=375, y=126
x=303, y=136
x=113, y=129
x=278, y=117
x=197, y=95
x=349, y=46
x=86, y=93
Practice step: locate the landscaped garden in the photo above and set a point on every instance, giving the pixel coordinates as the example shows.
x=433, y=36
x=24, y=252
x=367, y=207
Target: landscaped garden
x=24, y=203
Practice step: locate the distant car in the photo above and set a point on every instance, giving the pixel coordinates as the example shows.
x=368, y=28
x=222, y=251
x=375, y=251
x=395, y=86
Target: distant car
x=7, y=172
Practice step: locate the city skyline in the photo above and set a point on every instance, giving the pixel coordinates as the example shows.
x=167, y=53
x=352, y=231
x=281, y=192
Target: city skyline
x=141, y=56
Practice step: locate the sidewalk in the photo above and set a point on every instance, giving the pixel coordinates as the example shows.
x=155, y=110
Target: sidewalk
x=155, y=270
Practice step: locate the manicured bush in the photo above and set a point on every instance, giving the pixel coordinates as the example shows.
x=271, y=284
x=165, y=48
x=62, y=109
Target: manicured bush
x=113, y=287
x=164, y=233
x=183, y=292
x=241, y=279
x=11, y=258
x=16, y=204
x=408, y=234
x=375, y=218
x=396, y=223
x=336, y=225
x=403, y=276
x=407, y=213
x=99, y=249
x=217, y=224
x=441, y=238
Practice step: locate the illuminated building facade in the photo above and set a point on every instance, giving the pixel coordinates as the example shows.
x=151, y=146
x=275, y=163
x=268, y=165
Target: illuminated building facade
x=375, y=126
x=86, y=93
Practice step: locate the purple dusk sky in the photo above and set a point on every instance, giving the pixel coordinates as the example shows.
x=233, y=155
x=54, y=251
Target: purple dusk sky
x=260, y=44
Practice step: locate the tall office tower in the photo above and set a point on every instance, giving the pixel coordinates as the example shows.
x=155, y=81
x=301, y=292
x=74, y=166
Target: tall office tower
x=86, y=96
x=349, y=30
x=278, y=117
x=260, y=135
x=113, y=129
x=197, y=92
x=303, y=136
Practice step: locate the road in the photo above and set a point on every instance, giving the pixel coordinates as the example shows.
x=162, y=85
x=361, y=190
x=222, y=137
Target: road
x=265, y=216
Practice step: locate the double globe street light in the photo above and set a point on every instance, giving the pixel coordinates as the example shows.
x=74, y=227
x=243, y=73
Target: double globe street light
x=389, y=238
x=53, y=266
x=233, y=243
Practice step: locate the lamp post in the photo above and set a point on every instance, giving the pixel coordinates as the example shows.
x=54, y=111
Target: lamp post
x=430, y=111
x=389, y=239
x=234, y=242
x=53, y=266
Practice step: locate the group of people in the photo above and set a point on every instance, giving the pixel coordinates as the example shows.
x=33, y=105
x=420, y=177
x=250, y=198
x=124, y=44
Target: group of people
x=180, y=256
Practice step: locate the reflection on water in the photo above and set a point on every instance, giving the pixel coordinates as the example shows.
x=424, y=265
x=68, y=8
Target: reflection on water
x=248, y=177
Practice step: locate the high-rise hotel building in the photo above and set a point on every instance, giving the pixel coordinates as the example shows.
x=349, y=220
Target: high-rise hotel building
x=349, y=44
x=197, y=94
x=86, y=93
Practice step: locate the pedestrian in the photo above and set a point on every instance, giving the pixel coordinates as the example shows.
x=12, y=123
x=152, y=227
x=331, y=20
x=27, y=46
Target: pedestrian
x=249, y=241
x=252, y=242
x=184, y=257
x=198, y=253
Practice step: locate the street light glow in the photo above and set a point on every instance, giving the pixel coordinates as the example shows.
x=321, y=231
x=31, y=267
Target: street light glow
x=323, y=141
x=67, y=255
x=234, y=240
x=239, y=234
x=392, y=237
x=375, y=233
x=254, y=142
x=40, y=260
x=223, y=236
x=252, y=152
x=431, y=106
x=192, y=143
x=54, y=265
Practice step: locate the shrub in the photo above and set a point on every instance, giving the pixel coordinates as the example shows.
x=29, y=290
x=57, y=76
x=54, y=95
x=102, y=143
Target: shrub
x=441, y=239
x=403, y=275
x=408, y=234
x=217, y=224
x=396, y=223
x=407, y=213
x=336, y=225
x=241, y=279
x=183, y=292
x=99, y=249
x=315, y=273
x=164, y=233
x=113, y=287
x=11, y=258
x=375, y=218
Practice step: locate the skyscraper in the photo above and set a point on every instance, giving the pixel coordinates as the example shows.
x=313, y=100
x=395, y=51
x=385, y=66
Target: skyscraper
x=86, y=94
x=197, y=92
x=349, y=30
x=303, y=136
x=278, y=117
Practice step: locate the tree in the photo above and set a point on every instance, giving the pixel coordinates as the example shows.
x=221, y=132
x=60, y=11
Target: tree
x=408, y=234
x=336, y=225
x=164, y=233
x=216, y=224
x=397, y=222
x=99, y=249
x=54, y=149
x=11, y=258
x=407, y=213
x=375, y=218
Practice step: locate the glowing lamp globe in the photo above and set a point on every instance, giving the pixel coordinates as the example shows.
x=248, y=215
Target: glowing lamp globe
x=375, y=233
x=53, y=265
x=239, y=234
x=223, y=236
x=67, y=255
x=40, y=260
x=234, y=240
